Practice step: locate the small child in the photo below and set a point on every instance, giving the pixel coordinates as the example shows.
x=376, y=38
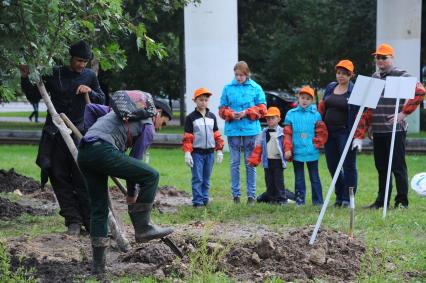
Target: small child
x=269, y=150
x=200, y=140
x=304, y=134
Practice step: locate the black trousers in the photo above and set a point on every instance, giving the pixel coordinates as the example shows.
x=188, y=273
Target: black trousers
x=68, y=185
x=382, y=143
x=274, y=180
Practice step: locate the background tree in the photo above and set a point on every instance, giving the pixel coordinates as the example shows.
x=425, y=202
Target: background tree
x=301, y=41
x=38, y=33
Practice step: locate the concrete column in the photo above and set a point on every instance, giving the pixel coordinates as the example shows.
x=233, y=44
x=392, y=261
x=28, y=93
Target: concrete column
x=211, y=49
x=399, y=24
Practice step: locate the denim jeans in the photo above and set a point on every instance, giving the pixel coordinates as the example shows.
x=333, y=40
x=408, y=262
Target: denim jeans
x=201, y=172
x=300, y=187
x=248, y=143
x=348, y=177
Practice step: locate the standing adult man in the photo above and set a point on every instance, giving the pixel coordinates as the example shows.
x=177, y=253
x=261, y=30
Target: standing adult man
x=380, y=121
x=66, y=86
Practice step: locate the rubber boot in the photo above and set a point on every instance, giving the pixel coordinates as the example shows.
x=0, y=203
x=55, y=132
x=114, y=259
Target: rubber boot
x=140, y=215
x=99, y=246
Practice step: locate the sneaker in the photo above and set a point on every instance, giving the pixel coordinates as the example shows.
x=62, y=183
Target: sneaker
x=250, y=200
x=74, y=229
x=236, y=200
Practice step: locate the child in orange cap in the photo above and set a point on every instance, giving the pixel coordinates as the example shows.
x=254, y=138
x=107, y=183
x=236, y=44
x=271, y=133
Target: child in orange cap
x=200, y=140
x=269, y=149
x=304, y=134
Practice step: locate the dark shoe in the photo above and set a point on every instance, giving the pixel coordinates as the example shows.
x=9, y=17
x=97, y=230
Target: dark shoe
x=337, y=204
x=401, y=206
x=99, y=246
x=140, y=215
x=345, y=204
x=237, y=200
x=74, y=229
x=373, y=206
x=198, y=205
x=250, y=200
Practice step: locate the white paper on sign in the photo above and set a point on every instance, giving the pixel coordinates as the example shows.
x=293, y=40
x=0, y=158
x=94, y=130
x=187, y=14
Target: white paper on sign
x=402, y=87
x=368, y=89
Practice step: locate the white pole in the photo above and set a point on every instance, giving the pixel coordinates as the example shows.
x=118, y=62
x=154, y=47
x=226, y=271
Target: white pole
x=388, y=177
x=336, y=174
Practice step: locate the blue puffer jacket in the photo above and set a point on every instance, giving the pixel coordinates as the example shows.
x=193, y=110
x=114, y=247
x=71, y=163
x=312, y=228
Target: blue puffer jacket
x=239, y=97
x=280, y=144
x=302, y=122
x=352, y=109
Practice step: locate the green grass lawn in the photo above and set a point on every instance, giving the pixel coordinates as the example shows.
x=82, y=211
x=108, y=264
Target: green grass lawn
x=398, y=241
x=22, y=114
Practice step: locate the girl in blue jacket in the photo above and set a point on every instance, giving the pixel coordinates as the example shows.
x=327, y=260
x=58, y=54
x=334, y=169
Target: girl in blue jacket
x=242, y=104
x=304, y=134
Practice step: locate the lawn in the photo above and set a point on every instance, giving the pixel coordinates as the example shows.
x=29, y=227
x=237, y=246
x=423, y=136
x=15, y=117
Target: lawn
x=395, y=245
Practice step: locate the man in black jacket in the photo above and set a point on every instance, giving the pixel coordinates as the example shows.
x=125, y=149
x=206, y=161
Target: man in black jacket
x=67, y=87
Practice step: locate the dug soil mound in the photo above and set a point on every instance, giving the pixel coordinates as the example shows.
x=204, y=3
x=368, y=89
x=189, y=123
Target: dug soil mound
x=168, y=199
x=243, y=257
x=10, y=210
x=11, y=181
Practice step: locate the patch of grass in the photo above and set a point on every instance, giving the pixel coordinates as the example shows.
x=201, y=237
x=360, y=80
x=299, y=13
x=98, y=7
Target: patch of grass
x=7, y=275
x=395, y=245
x=172, y=130
x=24, y=114
x=23, y=126
x=421, y=134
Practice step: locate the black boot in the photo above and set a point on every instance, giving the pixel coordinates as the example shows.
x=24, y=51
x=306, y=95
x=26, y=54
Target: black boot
x=99, y=245
x=140, y=215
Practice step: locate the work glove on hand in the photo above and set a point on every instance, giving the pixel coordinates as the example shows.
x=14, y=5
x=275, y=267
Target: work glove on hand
x=219, y=157
x=357, y=144
x=188, y=159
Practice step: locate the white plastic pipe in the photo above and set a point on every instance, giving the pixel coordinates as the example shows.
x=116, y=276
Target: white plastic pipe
x=389, y=176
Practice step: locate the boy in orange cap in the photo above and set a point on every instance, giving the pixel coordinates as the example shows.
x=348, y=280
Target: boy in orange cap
x=304, y=134
x=380, y=121
x=200, y=140
x=269, y=149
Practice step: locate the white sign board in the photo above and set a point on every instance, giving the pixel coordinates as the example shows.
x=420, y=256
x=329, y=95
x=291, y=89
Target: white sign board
x=368, y=89
x=400, y=87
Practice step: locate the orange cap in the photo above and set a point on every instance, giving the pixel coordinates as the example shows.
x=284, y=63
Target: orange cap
x=346, y=64
x=201, y=91
x=273, y=111
x=384, y=49
x=307, y=90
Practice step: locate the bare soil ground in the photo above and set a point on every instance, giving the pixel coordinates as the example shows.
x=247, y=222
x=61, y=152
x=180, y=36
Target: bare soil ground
x=249, y=253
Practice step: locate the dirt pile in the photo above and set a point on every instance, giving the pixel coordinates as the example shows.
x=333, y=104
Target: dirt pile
x=290, y=257
x=11, y=181
x=254, y=258
x=10, y=210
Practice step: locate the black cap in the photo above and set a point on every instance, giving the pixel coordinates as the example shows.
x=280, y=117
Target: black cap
x=82, y=50
x=165, y=107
